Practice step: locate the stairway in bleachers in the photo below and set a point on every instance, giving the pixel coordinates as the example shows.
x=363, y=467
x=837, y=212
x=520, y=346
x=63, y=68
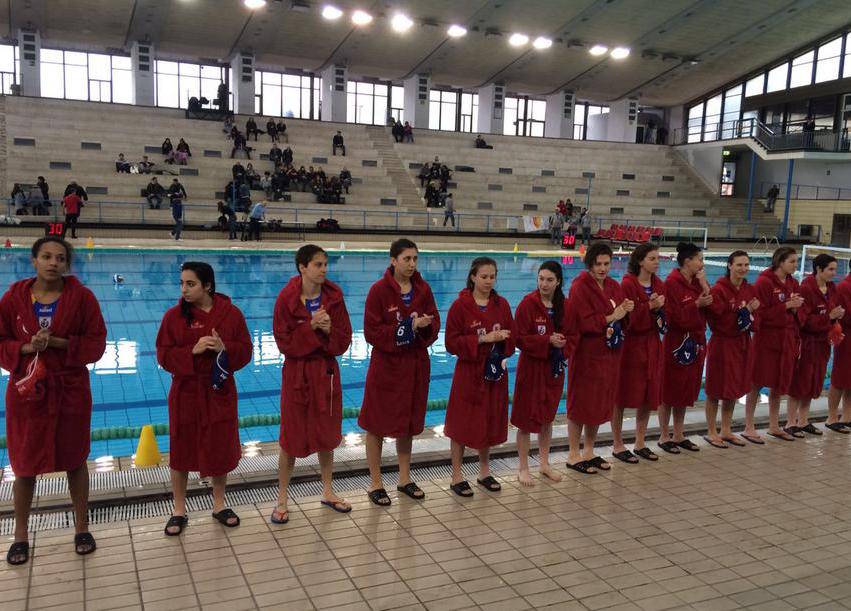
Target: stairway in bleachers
x=405, y=186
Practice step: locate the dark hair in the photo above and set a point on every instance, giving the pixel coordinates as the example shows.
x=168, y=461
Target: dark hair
x=595, y=250
x=205, y=275
x=558, y=294
x=305, y=254
x=400, y=245
x=638, y=255
x=474, y=269
x=822, y=261
x=780, y=255
x=69, y=250
x=733, y=256
x=686, y=250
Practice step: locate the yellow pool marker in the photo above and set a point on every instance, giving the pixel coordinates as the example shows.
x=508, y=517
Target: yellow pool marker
x=516, y=247
x=147, y=452
x=90, y=243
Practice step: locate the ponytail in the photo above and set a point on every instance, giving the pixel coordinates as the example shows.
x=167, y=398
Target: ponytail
x=558, y=294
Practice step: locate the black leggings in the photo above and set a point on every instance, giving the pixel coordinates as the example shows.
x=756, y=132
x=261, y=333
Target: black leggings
x=71, y=222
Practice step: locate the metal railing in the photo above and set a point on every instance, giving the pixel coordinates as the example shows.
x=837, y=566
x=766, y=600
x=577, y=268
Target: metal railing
x=800, y=191
x=771, y=139
x=674, y=230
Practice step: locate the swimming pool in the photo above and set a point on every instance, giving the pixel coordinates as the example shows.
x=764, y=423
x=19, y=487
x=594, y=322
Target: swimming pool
x=129, y=388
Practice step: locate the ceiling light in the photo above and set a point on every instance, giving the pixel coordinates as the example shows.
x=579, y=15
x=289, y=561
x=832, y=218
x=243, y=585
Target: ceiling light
x=253, y=4
x=331, y=13
x=518, y=40
x=456, y=31
x=542, y=43
x=361, y=18
x=598, y=49
x=620, y=52
x=401, y=23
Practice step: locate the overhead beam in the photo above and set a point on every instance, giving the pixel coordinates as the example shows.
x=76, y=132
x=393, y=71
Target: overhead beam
x=27, y=15
x=147, y=21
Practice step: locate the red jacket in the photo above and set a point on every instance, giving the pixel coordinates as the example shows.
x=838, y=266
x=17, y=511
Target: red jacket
x=72, y=203
x=477, y=413
x=592, y=373
x=396, y=390
x=311, y=394
x=840, y=377
x=63, y=399
x=536, y=392
x=681, y=383
x=641, y=365
x=730, y=353
x=203, y=423
x=814, y=316
x=777, y=341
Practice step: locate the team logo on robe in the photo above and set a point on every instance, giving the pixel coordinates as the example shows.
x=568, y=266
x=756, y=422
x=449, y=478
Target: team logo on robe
x=393, y=308
x=497, y=327
x=481, y=331
x=44, y=322
x=542, y=329
x=781, y=296
x=196, y=325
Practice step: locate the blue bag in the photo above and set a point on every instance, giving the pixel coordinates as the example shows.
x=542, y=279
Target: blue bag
x=614, y=335
x=557, y=361
x=661, y=321
x=744, y=319
x=405, y=332
x=686, y=353
x=494, y=365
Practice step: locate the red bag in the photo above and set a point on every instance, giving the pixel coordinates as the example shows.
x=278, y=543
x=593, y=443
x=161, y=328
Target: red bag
x=36, y=372
x=835, y=335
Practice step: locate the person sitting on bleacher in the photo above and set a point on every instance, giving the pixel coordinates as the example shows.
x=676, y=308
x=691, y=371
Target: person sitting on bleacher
x=407, y=133
x=335, y=189
x=145, y=166
x=227, y=127
x=234, y=132
x=272, y=130
x=481, y=144
x=287, y=156
x=168, y=150
x=240, y=144
x=282, y=131
x=275, y=154
x=182, y=152
x=425, y=173
x=280, y=182
x=266, y=185
x=251, y=129
x=345, y=178
x=154, y=193
x=303, y=178
x=337, y=143
x=121, y=164
x=252, y=177
x=238, y=172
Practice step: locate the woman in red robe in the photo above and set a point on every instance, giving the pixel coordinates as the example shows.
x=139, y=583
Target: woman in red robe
x=50, y=328
x=400, y=321
x=818, y=317
x=640, y=385
x=687, y=295
x=201, y=342
x=840, y=376
x=597, y=309
x=730, y=353
x=545, y=343
x=777, y=342
x=312, y=328
x=479, y=332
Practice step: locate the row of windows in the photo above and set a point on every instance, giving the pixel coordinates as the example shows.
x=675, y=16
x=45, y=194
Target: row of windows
x=453, y=110
x=287, y=95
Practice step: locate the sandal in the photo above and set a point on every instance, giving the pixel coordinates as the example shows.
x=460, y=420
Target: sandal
x=84, y=543
x=284, y=516
x=180, y=522
x=734, y=441
x=412, y=490
x=689, y=445
x=647, y=454
x=340, y=506
x=626, y=456
x=837, y=427
x=811, y=429
x=670, y=447
x=754, y=439
x=782, y=435
x=598, y=463
x=225, y=516
x=19, y=553
x=462, y=488
x=490, y=483
x=794, y=431
x=379, y=497
x=583, y=466
x=714, y=443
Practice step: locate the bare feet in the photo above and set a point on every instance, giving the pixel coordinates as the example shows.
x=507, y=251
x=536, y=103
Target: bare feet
x=525, y=478
x=550, y=473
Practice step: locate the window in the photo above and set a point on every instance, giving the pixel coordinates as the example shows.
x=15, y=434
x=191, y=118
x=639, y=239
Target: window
x=10, y=68
x=178, y=81
x=469, y=112
x=777, y=78
x=366, y=103
x=579, y=110
x=802, y=70
x=846, y=70
x=509, y=123
x=284, y=95
x=76, y=75
x=397, y=102
x=755, y=86
x=732, y=107
x=443, y=110
x=524, y=117
x=827, y=68
x=712, y=118
x=695, y=122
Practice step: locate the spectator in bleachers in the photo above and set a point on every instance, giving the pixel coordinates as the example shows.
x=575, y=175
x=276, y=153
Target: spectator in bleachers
x=287, y=156
x=425, y=173
x=251, y=129
x=145, y=166
x=305, y=177
x=43, y=187
x=154, y=193
x=222, y=98
x=121, y=164
x=243, y=197
x=266, y=185
x=238, y=172
x=280, y=182
x=227, y=126
x=449, y=210
x=258, y=213
x=182, y=152
x=19, y=199
x=396, y=129
x=407, y=133
x=240, y=144
x=168, y=150
x=227, y=219
x=234, y=132
x=252, y=177
x=771, y=198
x=176, y=195
x=72, y=203
x=335, y=189
x=561, y=207
x=585, y=222
x=444, y=177
x=556, y=226
x=345, y=178
x=282, y=131
x=338, y=143
x=481, y=144
x=275, y=154
x=272, y=130
x=432, y=194
x=73, y=187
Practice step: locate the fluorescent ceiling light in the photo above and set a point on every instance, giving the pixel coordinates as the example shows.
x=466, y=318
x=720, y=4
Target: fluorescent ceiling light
x=542, y=43
x=331, y=13
x=620, y=52
x=518, y=40
x=252, y=4
x=361, y=18
x=401, y=23
x=456, y=31
x=598, y=49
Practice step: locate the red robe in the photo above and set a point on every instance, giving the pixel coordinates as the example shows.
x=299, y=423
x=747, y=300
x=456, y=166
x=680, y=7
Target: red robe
x=203, y=424
x=536, y=392
x=396, y=390
x=592, y=373
x=810, y=369
x=477, y=413
x=777, y=341
x=49, y=430
x=311, y=393
x=681, y=383
x=641, y=365
x=840, y=377
x=730, y=354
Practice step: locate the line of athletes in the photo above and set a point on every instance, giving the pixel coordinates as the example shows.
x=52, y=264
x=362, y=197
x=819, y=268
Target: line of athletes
x=636, y=344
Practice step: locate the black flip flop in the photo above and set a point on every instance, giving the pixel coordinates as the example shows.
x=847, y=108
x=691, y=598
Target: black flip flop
x=626, y=456
x=490, y=483
x=670, y=447
x=224, y=515
x=412, y=490
x=811, y=429
x=782, y=437
x=716, y=444
x=794, y=431
x=86, y=541
x=647, y=454
x=598, y=463
x=19, y=549
x=379, y=497
x=753, y=439
x=180, y=521
x=837, y=427
x=462, y=488
x=583, y=466
x=688, y=444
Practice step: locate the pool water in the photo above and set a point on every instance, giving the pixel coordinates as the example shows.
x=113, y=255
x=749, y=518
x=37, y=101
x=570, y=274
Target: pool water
x=130, y=389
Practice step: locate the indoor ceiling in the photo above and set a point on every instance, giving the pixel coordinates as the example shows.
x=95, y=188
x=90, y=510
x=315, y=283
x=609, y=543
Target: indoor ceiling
x=680, y=49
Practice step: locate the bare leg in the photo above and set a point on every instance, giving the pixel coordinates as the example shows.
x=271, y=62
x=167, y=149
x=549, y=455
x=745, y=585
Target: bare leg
x=545, y=437
x=484, y=463
x=617, y=429
x=750, y=409
x=727, y=407
x=664, y=415
x=22, y=489
x=326, y=471
x=590, y=438
x=285, y=471
x=457, y=452
x=220, y=482
x=374, y=444
x=403, y=451
x=642, y=417
x=711, y=409
x=846, y=405
x=679, y=419
x=774, y=411
x=523, y=475
x=792, y=407
x=834, y=395
x=804, y=413
x=178, y=490
x=574, y=440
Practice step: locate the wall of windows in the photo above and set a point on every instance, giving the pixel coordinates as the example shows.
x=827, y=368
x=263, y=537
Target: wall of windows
x=77, y=75
x=287, y=95
x=367, y=103
x=397, y=102
x=10, y=68
x=443, y=110
x=524, y=117
x=179, y=81
x=582, y=111
x=469, y=112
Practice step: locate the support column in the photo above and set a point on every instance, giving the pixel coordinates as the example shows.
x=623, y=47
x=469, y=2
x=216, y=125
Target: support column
x=674, y=122
x=416, y=100
x=491, y=101
x=144, y=85
x=242, y=85
x=334, y=81
x=785, y=226
x=559, y=117
x=30, y=53
x=622, y=121
x=750, y=183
